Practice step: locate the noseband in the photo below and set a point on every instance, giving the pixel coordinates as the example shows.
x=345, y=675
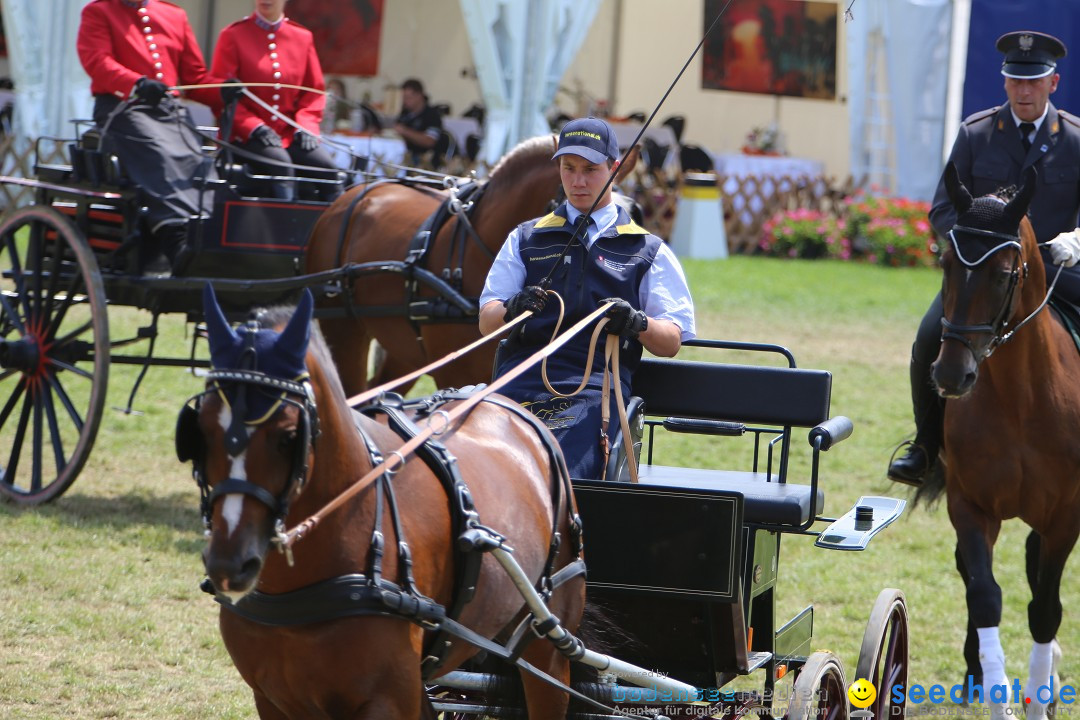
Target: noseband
x=191, y=446
x=998, y=327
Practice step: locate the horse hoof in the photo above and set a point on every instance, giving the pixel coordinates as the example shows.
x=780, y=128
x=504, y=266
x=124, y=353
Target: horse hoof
x=998, y=711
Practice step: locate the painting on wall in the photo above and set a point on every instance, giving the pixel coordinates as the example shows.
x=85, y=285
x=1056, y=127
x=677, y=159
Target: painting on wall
x=3, y=38
x=346, y=33
x=776, y=47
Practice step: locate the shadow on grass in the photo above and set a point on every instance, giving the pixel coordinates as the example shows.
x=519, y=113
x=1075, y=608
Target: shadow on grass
x=120, y=514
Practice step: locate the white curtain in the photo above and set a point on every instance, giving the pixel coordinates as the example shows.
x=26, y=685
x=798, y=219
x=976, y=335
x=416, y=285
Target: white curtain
x=917, y=37
x=51, y=88
x=521, y=49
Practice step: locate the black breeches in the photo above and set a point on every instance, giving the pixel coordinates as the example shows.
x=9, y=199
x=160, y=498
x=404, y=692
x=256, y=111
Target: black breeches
x=283, y=186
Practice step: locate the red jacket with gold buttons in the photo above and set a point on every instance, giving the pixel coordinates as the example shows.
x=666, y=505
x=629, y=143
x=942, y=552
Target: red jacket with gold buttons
x=119, y=43
x=283, y=56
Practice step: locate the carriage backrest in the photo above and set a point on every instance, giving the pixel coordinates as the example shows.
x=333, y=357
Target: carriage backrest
x=782, y=396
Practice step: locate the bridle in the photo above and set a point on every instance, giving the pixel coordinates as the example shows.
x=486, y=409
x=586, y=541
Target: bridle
x=998, y=328
x=191, y=446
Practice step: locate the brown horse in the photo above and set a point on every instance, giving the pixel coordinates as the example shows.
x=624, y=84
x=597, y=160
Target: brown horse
x=274, y=441
x=378, y=222
x=1012, y=375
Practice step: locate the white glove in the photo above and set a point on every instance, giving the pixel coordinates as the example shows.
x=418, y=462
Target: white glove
x=1065, y=248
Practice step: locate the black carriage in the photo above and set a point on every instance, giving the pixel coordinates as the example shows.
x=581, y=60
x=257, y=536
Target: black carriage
x=75, y=251
x=685, y=560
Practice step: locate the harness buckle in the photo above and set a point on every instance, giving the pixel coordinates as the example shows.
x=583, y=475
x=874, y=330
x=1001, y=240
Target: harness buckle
x=282, y=541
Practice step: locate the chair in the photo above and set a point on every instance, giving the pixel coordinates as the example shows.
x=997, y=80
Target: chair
x=477, y=112
x=695, y=159
x=370, y=118
x=677, y=123
x=445, y=149
x=442, y=108
x=655, y=154
x=636, y=116
x=472, y=147
x=560, y=120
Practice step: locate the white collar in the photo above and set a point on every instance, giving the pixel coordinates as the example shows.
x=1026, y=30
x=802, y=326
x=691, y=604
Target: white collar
x=1037, y=122
x=602, y=219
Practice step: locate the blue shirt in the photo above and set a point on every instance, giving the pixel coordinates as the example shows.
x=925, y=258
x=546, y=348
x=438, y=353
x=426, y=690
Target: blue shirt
x=663, y=294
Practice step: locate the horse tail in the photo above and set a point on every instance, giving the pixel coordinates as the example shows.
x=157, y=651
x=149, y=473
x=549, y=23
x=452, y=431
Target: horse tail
x=933, y=485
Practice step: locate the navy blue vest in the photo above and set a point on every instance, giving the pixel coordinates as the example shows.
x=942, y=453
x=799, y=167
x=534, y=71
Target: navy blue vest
x=614, y=266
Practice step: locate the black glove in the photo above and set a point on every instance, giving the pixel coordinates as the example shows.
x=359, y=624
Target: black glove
x=531, y=297
x=232, y=92
x=623, y=319
x=306, y=141
x=150, y=91
x=266, y=135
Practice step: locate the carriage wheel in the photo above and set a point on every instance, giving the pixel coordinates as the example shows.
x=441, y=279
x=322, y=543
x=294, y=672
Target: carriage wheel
x=54, y=354
x=820, y=692
x=883, y=659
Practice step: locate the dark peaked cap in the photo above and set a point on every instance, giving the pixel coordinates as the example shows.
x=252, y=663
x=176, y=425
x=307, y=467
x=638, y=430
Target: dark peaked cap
x=1029, y=54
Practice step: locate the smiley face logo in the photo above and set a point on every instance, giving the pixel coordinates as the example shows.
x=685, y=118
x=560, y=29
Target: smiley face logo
x=862, y=693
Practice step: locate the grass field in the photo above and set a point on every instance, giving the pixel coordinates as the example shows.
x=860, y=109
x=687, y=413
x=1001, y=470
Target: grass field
x=101, y=617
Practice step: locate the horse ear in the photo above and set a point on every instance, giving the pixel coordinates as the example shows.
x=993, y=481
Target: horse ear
x=1018, y=206
x=958, y=194
x=628, y=165
x=293, y=340
x=219, y=334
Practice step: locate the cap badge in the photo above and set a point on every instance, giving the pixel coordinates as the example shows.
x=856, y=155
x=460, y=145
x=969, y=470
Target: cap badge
x=1026, y=42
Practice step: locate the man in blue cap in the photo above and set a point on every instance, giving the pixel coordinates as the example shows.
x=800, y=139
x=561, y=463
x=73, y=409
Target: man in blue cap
x=992, y=150
x=593, y=253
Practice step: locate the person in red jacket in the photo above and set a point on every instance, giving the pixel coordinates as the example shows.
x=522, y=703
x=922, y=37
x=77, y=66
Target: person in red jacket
x=134, y=51
x=267, y=47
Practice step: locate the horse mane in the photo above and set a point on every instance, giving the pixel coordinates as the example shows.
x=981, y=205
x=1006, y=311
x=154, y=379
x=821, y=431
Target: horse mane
x=523, y=155
x=278, y=316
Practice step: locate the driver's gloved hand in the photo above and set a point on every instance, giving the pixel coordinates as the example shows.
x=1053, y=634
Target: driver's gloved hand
x=232, y=92
x=531, y=297
x=150, y=91
x=266, y=135
x=623, y=319
x=306, y=141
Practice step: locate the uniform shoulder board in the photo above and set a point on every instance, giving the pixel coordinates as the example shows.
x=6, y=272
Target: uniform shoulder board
x=1069, y=118
x=981, y=115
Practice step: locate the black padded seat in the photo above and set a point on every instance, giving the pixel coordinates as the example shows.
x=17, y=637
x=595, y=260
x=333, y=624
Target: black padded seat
x=771, y=503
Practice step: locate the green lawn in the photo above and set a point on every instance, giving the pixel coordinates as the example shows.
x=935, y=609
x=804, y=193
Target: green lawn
x=101, y=617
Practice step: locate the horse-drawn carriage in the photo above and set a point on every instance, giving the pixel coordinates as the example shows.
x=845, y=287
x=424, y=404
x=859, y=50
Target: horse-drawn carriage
x=685, y=560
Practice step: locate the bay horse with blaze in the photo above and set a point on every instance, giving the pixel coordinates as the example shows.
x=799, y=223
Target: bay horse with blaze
x=379, y=221
x=342, y=626
x=1011, y=373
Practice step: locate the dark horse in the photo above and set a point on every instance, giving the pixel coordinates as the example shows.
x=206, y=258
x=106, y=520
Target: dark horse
x=1012, y=375
x=372, y=223
x=335, y=630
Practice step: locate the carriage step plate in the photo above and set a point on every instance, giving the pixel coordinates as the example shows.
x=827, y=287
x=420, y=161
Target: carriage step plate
x=853, y=531
x=755, y=660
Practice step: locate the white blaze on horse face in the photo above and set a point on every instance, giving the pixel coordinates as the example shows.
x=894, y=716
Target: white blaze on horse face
x=233, y=506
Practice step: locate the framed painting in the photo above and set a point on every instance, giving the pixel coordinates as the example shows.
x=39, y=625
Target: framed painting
x=347, y=33
x=775, y=47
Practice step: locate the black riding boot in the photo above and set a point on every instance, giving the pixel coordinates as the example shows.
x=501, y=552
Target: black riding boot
x=919, y=457
x=174, y=245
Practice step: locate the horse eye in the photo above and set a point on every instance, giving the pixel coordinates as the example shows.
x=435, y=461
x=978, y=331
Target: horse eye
x=287, y=439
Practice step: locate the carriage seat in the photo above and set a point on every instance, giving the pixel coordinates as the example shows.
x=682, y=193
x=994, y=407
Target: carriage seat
x=729, y=400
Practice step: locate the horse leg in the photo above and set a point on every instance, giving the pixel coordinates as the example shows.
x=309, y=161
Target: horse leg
x=973, y=673
x=349, y=344
x=541, y=699
x=975, y=536
x=1044, y=615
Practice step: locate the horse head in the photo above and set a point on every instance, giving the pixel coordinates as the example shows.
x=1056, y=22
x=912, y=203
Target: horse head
x=984, y=272
x=251, y=436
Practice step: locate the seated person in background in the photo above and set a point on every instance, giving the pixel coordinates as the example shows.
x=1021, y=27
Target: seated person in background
x=134, y=51
x=338, y=114
x=419, y=123
x=267, y=47
x=615, y=259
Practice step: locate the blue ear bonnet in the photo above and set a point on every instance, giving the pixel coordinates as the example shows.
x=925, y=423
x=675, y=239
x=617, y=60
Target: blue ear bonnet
x=263, y=350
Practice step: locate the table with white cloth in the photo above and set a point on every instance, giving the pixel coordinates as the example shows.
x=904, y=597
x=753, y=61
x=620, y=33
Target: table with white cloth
x=461, y=128
x=662, y=135
x=379, y=148
x=767, y=169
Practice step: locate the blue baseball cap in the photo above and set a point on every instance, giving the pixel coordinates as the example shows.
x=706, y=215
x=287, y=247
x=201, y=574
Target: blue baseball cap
x=591, y=138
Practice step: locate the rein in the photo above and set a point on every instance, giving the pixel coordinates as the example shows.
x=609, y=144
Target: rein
x=995, y=327
x=286, y=539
